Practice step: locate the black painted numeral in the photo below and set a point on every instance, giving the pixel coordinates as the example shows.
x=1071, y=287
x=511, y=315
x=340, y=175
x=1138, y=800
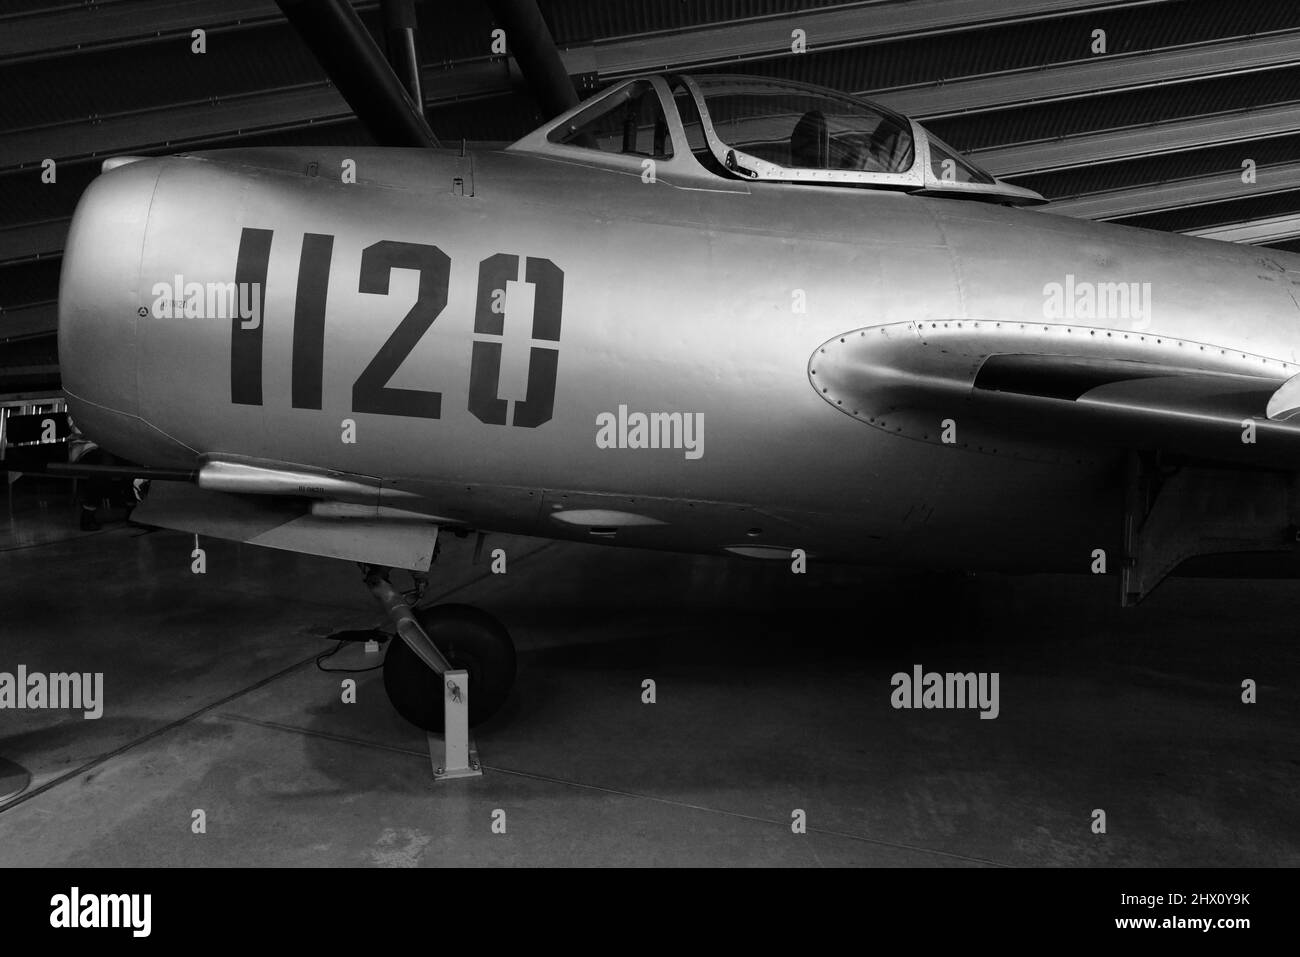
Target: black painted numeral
x=543, y=361
x=246, y=332
x=309, y=320
x=489, y=320
x=371, y=393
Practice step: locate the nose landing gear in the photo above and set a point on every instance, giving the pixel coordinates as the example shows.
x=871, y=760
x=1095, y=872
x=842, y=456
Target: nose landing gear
x=435, y=641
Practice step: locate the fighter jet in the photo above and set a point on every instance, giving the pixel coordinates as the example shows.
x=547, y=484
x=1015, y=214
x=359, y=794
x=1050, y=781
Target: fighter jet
x=707, y=314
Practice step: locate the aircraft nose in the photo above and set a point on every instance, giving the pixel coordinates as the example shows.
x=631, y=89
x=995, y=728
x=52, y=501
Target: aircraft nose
x=99, y=294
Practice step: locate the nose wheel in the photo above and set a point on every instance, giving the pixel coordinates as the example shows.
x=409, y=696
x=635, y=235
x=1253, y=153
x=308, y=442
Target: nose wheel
x=469, y=639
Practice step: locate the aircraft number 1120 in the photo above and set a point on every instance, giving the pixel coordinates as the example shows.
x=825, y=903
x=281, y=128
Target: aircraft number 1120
x=371, y=392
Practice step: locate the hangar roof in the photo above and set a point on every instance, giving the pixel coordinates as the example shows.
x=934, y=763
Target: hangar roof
x=1173, y=114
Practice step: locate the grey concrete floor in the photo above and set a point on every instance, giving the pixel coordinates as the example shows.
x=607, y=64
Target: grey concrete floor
x=773, y=694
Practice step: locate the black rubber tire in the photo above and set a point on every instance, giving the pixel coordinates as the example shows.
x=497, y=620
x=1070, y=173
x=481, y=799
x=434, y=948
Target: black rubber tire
x=471, y=639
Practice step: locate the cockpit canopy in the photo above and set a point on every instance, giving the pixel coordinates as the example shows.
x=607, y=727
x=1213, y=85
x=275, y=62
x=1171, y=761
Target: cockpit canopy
x=760, y=129
x=782, y=131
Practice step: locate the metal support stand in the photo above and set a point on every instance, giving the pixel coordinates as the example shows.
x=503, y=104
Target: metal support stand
x=453, y=754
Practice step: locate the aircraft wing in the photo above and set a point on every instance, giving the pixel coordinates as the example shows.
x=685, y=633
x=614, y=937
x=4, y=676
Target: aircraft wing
x=1051, y=392
x=312, y=512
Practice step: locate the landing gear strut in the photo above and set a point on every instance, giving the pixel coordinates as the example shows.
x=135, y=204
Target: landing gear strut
x=435, y=641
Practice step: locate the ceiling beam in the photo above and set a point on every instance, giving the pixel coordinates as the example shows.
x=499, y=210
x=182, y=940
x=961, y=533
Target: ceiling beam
x=188, y=124
x=351, y=58
x=1105, y=74
x=182, y=123
x=13, y=372
x=23, y=322
x=1141, y=141
x=1178, y=194
x=32, y=241
x=846, y=25
x=73, y=27
x=1272, y=229
x=528, y=37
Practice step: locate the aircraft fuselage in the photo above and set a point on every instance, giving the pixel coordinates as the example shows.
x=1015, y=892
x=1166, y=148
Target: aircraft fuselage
x=466, y=328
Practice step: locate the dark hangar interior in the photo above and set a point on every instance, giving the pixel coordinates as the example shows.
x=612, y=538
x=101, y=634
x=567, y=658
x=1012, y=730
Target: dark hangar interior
x=1175, y=115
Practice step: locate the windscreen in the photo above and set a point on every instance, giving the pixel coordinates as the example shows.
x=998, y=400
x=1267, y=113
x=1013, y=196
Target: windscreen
x=800, y=128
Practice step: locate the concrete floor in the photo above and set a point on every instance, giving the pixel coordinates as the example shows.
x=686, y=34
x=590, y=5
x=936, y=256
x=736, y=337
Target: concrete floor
x=773, y=694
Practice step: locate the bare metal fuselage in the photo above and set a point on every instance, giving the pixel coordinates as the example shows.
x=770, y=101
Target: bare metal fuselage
x=698, y=296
